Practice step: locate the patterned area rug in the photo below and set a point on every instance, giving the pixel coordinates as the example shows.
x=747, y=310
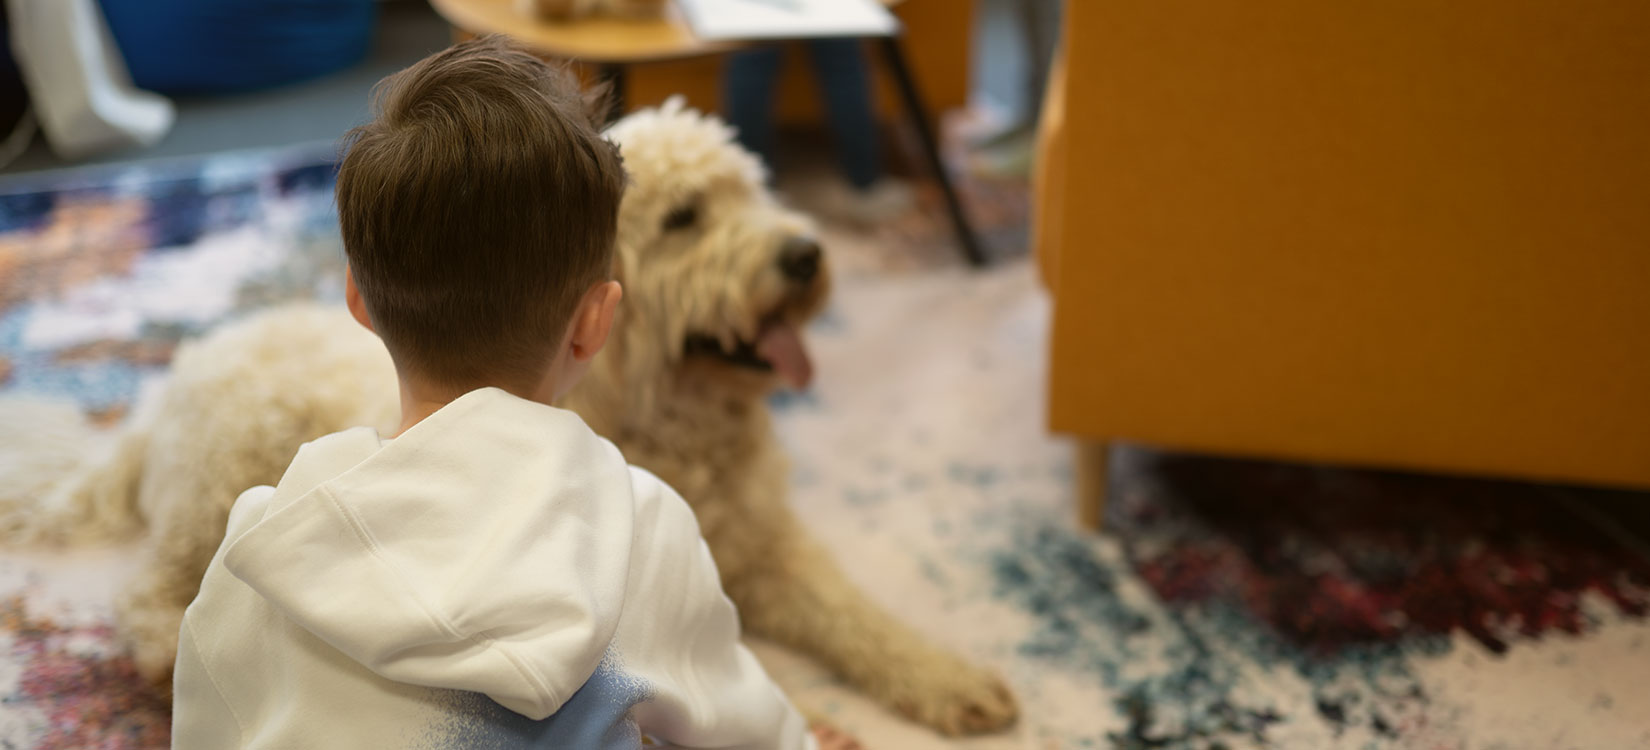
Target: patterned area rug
x=1229, y=605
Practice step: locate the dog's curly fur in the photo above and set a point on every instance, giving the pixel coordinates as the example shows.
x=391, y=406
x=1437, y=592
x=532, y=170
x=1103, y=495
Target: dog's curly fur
x=698, y=247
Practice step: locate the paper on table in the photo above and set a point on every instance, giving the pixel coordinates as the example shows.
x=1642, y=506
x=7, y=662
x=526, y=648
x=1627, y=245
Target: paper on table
x=787, y=19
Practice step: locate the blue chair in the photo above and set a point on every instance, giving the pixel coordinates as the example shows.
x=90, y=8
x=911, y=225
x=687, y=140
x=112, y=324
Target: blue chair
x=184, y=47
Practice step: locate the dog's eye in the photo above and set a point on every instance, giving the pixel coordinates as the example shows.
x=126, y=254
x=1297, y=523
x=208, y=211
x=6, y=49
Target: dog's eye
x=681, y=218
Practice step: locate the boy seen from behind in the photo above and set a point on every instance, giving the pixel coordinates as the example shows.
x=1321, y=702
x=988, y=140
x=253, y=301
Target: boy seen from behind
x=494, y=575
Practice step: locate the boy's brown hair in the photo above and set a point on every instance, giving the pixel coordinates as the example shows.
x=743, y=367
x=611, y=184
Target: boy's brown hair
x=477, y=207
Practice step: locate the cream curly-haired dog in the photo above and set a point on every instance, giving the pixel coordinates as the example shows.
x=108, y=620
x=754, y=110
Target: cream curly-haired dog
x=719, y=279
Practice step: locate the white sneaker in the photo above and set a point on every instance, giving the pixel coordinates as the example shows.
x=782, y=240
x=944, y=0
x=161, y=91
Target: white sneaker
x=884, y=200
x=1009, y=157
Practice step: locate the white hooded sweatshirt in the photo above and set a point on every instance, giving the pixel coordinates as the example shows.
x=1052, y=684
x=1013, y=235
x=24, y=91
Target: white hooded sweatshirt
x=496, y=577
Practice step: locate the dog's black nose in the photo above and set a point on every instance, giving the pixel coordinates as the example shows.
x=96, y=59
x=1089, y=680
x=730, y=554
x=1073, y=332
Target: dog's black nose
x=799, y=259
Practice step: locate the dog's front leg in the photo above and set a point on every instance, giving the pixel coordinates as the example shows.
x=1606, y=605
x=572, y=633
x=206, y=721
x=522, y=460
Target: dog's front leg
x=183, y=537
x=794, y=594
x=151, y=611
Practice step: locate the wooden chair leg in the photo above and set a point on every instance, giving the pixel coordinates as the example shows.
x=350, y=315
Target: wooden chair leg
x=1092, y=476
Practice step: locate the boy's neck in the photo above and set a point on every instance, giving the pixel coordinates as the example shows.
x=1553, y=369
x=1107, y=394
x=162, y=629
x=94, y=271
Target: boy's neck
x=420, y=399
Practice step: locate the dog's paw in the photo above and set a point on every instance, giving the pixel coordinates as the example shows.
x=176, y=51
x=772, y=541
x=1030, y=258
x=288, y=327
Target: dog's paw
x=951, y=696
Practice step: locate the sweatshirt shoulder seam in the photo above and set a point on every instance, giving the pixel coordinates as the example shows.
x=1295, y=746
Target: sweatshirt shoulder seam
x=240, y=727
x=367, y=542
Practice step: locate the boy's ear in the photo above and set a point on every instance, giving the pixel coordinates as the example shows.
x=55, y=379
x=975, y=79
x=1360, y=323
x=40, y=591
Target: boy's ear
x=594, y=320
x=352, y=297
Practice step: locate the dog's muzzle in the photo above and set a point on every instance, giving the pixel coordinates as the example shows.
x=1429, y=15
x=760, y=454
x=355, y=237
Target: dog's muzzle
x=778, y=347
x=799, y=259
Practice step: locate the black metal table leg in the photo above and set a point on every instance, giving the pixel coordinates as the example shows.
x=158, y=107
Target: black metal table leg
x=614, y=75
x=894, y=53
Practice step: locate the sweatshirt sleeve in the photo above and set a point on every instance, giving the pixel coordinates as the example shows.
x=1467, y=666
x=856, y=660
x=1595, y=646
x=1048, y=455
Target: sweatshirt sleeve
x=681, y=636
x=201, y=718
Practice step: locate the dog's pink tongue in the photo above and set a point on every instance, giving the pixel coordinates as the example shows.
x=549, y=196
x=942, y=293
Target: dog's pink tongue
x=781, y=346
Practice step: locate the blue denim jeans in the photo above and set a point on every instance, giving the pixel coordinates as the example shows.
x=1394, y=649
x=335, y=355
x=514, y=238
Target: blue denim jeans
x=844, y=79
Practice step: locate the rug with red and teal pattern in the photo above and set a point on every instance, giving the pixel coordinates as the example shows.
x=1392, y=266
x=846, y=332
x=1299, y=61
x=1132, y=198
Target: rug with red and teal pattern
x=1229, y=605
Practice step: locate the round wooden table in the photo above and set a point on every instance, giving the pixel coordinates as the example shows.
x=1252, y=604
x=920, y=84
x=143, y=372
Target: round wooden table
x=613, y=43
x=598, y=40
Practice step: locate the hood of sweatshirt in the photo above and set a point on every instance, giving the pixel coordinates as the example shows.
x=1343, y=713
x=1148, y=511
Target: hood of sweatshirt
x=486, y=549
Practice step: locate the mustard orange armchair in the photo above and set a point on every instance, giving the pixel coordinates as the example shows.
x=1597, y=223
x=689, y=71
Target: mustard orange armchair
x=1404, y=234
